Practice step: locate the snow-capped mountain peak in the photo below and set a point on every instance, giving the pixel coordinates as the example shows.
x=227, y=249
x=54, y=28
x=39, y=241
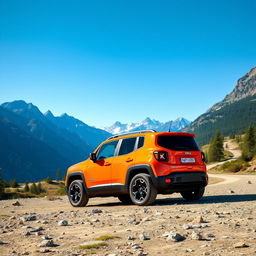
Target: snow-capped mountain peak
x=147, y=124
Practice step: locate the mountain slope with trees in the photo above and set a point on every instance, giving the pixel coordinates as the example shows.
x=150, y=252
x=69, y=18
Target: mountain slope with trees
x=230, y=116
x=35, y=146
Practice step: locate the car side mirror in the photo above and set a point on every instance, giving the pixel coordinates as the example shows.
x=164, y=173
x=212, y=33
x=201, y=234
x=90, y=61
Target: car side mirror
x=93, y=157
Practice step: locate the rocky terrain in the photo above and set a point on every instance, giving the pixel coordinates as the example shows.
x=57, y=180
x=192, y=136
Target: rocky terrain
x=222, y=223
x=246, y=86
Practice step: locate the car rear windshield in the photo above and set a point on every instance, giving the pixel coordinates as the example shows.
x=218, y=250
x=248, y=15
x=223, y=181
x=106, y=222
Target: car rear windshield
x=179, y=143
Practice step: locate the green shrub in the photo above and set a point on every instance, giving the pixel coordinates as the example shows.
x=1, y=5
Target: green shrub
x=48, y=180
x=26, y=187
x=234, y=166
x=13, y=184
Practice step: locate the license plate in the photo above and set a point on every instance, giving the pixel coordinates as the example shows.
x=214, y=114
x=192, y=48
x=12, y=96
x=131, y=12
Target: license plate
x=187, y=160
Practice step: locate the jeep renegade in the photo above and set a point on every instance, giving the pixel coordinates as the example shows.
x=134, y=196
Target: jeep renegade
x=136, y=166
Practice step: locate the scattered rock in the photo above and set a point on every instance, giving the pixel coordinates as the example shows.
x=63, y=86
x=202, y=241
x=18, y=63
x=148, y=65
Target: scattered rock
x=143, y=237
x=231, y=191
x=196, y=235
x=185, y=226
x=209, y=235
x=63, y=223
x=199, y=220
x=249, y=182
x=240, y=245
x=135, y=246
x=96, y=211
x=28, y=218
x=132, y=220
x=44, y=250
x=175, y=237
x=16, y=203
x=46, y=243
x=36, y=229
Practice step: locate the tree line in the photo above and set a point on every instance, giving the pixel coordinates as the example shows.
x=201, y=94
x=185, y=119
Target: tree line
x=248, y=147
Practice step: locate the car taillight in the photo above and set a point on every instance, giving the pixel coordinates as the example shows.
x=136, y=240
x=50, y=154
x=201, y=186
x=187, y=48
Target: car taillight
x=161, y=156
x=203, y=156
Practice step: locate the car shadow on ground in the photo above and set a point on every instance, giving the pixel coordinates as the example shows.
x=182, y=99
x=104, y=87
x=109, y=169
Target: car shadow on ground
x=205, y=200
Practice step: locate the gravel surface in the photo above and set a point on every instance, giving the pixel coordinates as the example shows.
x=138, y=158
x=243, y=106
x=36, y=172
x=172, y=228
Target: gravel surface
x=222, y=223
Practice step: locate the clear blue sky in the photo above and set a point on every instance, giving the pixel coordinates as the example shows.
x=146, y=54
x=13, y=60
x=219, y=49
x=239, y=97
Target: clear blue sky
x=103, y=61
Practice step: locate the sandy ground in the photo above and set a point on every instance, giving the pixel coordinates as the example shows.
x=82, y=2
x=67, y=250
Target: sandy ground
x=227, y=210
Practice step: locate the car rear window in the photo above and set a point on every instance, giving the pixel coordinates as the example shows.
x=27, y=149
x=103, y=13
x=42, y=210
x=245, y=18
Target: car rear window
x=179, y=143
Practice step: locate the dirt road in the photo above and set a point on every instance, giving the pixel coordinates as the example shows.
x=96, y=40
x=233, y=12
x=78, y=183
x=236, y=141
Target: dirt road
x=227, y=210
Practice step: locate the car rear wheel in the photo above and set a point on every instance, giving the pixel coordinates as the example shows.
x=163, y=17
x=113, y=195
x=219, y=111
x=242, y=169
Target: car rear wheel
x=125, y=199
x=142, y=190
x=193, y=195
x=76, y=194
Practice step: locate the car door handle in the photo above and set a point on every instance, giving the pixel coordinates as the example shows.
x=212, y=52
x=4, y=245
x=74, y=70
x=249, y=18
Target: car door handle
x=129, y=160
x=107, y=164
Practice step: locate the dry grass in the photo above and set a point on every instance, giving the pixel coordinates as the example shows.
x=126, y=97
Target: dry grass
x=106, y=237
x=92, y=246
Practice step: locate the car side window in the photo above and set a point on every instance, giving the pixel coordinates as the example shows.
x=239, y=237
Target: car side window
x=127, y=146
x=107, y=150
x=141, y=142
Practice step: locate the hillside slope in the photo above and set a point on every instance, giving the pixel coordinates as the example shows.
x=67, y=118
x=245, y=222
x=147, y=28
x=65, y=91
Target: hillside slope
x=232, y=115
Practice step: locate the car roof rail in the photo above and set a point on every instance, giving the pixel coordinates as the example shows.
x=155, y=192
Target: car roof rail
x=130, y=133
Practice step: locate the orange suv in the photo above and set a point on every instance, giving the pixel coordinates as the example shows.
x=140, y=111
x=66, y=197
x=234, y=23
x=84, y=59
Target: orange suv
x=136, y=166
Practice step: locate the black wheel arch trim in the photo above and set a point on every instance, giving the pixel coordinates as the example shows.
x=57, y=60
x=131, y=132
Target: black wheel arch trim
x=80, y=174
x=136, y=168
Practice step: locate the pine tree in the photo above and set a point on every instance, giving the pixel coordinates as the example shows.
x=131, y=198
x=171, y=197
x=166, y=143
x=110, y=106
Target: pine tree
x=13, y=184
x=249, y=144
x=33, y=189
x=216, y=151
x=26, y=188
x=39, y=188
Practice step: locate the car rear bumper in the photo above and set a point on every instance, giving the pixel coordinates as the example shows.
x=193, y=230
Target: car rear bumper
x=181, y=181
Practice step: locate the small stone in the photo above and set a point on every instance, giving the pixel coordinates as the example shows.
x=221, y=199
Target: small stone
x=112, y=254
x=175, y=237
x=240, y=245
x=44, y=250
x=96, y=211
x=158, y=213
x=63, y=223
x=95, y=220
x=46, y=237
x=26, y=233
x=136, y=246
x=28, y=218
x=231, y=191
x=131, y=238
x=46, y=243
x=132, y=220
x=199, y=220
x=143, y=237
x=1, y=242
x=16, y=203
x=249, y=182
x=36, y=229
x=25, y=253
x=209, y=235
x=196, y=235
x=185, y=226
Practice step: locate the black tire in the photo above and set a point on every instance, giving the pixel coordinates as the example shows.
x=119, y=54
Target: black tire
x=125, y=199
x=193, y=195
x=141, y=190
x=76, y=194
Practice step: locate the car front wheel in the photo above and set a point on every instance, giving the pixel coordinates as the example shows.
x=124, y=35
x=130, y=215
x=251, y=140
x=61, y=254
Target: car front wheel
x=76, y=194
